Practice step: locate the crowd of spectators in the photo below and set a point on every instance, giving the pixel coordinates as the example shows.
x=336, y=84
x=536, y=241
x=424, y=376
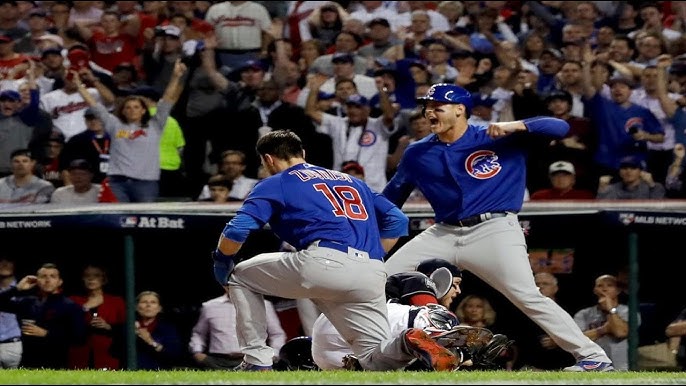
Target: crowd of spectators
x=132, y=101
x=150, y=96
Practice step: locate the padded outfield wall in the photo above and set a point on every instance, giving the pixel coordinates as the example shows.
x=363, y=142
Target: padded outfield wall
x=165, y=247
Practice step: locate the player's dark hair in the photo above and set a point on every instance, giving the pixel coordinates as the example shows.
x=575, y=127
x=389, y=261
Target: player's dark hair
x=282, y=144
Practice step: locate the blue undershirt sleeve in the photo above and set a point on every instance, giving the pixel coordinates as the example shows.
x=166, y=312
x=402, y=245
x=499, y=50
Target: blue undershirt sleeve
x=239, y=227
x=547, y=125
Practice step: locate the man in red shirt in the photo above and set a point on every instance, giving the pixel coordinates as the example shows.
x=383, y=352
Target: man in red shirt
x=113, y=43
x=562, y=178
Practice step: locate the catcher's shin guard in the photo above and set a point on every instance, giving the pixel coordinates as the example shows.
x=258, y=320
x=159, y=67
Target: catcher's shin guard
x=420, y=344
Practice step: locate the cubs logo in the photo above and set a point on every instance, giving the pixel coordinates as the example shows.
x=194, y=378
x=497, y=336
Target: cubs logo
x=368, y=138
x=633, y=122
x=482, y=164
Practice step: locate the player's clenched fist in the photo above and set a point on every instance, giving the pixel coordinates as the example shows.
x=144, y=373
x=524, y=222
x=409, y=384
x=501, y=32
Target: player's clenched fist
x=501, y=129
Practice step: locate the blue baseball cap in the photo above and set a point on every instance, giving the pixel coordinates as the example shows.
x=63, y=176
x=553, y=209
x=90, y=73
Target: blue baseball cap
x=357, y=99
x=323, y=95
x=632, y=161
x=483, y=100
x=342, y=57
x=10, y=95
x=448, y=93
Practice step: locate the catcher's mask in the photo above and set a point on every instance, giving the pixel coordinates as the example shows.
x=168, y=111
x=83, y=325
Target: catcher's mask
x=296, y=354
x=436, y=317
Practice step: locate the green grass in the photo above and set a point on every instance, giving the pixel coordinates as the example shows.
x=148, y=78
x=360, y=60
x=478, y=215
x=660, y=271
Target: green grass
x=334, y=377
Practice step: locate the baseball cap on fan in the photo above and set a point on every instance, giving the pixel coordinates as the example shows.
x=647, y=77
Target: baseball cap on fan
x=561, y=166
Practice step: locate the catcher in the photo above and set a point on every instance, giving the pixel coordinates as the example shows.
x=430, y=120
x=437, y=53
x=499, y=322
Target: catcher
x=417, y=299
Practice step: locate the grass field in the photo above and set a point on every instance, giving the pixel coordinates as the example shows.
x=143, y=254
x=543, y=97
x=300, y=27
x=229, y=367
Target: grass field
x=335, y=377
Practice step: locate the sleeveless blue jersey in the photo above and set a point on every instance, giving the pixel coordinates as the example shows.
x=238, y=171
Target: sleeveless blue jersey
x=306, y=203
x=473, y=175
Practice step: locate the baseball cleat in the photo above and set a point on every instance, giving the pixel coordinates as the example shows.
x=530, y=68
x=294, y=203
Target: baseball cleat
x=590, y=366
x=245, y=366
x=432, y=354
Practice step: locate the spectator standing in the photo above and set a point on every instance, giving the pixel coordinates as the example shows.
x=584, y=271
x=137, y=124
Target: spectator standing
x=158, y=344
x=38, y=25
x=214, y=340
x=22, y=186
x=81, y=190
x=172, y=180
x=607, y=323
x=114, y=42
x=10, y=334
x=50, y=321
x=562, y=176
x=232, y=166
x=635, y=183
x=623, y=127
x=357, y=137
x=577, y=146
x=16, y=125
x=67, y=105
x=242, y=30
x=92, y=145
x=134, y=167
x=103, y=314
x=346, y=43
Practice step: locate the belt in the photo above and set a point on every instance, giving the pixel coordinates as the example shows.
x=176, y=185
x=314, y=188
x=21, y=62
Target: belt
x=333, y=245
x=11, y=340
x=477, y=219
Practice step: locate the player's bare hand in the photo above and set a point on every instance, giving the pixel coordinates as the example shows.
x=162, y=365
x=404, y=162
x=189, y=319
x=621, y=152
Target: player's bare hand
x=501, y=129
x=640, y=135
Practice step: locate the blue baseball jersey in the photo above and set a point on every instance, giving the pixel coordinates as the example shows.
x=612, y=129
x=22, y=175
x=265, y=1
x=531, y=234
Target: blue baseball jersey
x=473, y=175
x=614, y=124
x=306, y=203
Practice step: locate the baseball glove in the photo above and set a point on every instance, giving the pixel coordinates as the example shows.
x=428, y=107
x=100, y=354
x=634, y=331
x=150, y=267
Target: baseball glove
x=485, y=357
x=470, y=339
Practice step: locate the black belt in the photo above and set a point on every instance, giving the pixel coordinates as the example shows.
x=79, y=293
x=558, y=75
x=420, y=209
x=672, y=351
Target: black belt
x=477, y=219
x=333, y=245
x=11, y=340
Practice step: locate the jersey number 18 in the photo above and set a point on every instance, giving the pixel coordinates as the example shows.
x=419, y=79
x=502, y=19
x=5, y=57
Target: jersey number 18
x=352, y=207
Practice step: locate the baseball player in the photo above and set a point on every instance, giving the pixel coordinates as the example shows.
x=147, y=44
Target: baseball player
x=419, y=299
x=341, y=231
x=474, y=179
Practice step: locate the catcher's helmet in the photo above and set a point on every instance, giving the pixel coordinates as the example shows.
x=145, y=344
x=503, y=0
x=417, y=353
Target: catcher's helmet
x=448, y=93
x=296, y=354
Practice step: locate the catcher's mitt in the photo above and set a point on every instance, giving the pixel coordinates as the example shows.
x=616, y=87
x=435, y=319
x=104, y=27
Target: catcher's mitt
x=485, y=357
x=470, y=339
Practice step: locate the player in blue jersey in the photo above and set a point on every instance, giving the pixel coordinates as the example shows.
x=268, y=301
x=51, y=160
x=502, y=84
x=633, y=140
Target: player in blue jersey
x=474, y=179
x=341, y=230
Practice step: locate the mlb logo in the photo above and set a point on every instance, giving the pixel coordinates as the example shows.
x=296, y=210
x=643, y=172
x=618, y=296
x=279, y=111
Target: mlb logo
x=128, y=222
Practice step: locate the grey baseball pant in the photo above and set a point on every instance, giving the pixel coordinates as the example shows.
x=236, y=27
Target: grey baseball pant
x=496, y=252
x=349, y=288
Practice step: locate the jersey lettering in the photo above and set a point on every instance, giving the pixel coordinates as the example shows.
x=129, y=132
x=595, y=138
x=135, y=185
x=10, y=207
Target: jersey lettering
x=353, y=207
